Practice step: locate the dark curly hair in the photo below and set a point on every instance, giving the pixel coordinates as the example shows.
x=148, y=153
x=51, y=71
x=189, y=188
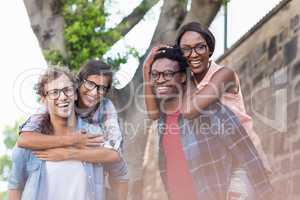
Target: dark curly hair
x=172, y=53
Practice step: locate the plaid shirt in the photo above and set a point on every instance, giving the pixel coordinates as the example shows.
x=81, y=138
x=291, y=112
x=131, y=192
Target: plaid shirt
x=106, y=116
x=211, y=144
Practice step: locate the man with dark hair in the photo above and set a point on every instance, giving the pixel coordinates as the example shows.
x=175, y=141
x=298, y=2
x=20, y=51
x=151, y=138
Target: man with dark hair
x=196, y=156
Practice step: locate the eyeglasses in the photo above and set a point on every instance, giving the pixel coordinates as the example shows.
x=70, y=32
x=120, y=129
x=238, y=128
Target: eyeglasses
x=167, y=75
x=55, y=93
x=90, y=85
x=199, y=49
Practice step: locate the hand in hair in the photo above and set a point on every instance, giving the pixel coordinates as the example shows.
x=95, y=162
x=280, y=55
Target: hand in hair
x=150, y=99
x=149, y=59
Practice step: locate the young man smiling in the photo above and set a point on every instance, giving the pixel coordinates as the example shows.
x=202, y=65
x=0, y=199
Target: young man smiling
x=75, y=175
x=196, y=156
x=94, y=81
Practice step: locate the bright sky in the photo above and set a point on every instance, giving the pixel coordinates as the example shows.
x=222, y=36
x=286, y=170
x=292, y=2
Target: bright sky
x=22, y=60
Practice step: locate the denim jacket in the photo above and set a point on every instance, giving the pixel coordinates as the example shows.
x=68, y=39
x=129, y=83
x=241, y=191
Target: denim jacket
x=104, y=118
x=28, y=174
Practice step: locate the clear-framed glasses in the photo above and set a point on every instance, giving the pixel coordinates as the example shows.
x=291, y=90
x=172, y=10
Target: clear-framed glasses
x=55, y=93
x=90, y=85
x=167, y=75
x=199, y=49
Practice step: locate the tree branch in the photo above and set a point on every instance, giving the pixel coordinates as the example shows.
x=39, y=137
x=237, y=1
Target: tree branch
x=171, y=16
x=203, y=11
x=134, y=17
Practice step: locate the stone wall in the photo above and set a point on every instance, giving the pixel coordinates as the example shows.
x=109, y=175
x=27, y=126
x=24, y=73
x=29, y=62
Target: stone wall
x=267, y=60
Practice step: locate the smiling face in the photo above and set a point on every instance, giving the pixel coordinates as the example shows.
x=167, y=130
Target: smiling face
x=59, y=97
x=166, y=78
x=198, y=62
x=89, y=98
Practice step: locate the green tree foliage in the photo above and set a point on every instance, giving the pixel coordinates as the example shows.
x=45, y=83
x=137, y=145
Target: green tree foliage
x=10, y=134
x=85, y=34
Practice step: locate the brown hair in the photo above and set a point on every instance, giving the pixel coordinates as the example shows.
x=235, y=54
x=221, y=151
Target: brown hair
x=95, y=67
x=49, y=75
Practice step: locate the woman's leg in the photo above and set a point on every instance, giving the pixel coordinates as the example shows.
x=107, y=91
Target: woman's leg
x=240, y=187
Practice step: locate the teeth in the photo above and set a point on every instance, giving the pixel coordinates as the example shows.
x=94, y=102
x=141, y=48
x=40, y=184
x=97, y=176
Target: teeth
x=195, y=62
x=90, y=98
x=62, y=104
x=160, y=89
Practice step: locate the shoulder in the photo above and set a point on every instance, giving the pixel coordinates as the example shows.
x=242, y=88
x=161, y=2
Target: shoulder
x=223, y=71
x=223, y=76
x=33, y=123
x=107, y=102
x=107, y=105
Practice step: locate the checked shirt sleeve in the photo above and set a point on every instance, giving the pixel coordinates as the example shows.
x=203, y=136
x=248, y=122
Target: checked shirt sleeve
x=112, y=128
x=118, y=170
x=32, y=124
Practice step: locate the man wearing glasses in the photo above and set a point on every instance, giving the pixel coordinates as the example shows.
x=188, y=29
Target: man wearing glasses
x=196, y=156
x=35, y=175
x=94, y=80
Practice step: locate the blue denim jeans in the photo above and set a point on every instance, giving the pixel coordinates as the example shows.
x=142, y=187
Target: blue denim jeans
x=240, y=187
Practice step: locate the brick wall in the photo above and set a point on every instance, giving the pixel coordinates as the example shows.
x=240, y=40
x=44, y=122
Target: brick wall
x=267, y=60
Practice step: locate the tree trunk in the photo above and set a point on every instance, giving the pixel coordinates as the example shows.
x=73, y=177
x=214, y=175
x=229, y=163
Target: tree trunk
x=203, y=11
x=172, y=15
x=47, y=24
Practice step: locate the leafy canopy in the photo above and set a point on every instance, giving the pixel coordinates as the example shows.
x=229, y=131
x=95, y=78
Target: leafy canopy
x=85, y=35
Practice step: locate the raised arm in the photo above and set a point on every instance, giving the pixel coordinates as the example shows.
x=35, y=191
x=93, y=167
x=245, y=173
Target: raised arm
x=150, y=100
x=195, y=100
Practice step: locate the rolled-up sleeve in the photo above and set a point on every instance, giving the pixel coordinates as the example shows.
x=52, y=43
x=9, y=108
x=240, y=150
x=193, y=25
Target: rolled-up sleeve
x=118, y=170
x=33, y=124
x=112, y=128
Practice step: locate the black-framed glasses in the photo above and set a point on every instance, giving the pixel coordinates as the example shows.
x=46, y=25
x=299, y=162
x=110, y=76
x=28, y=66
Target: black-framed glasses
x=90, y=85
x=167, y=75
x=199, y=49
x=55, y=93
